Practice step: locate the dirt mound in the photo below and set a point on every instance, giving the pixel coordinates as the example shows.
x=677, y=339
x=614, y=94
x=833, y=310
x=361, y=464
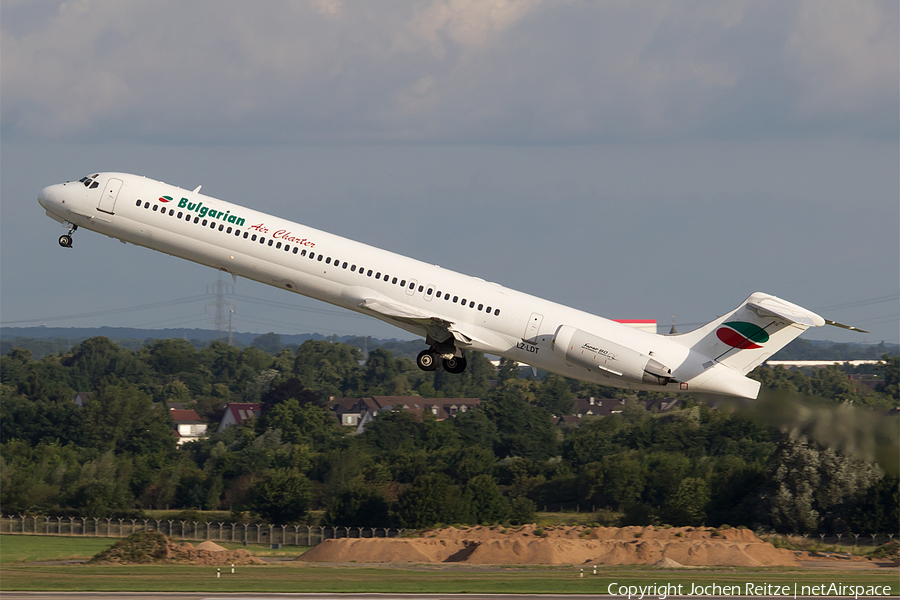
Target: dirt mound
x=211, y=546
x=148, y=547
x=688, y=546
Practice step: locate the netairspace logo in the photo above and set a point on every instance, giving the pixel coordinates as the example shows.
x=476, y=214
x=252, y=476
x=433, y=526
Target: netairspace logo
x=661, y=591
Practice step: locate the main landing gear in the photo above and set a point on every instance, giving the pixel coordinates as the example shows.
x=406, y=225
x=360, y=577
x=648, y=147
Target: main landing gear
x=428, y=361
x=66, y=240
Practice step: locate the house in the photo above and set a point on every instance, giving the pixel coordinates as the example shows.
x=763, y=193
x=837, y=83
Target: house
x=599, y=406
x=357, y=412
x=188, y=426
x=662, y=404
x=238, y=412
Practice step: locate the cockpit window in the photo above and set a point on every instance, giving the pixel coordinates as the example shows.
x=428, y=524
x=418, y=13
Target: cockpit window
x=89, y=181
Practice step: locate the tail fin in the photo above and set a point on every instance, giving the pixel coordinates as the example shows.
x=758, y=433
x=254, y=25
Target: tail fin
x=751, y=333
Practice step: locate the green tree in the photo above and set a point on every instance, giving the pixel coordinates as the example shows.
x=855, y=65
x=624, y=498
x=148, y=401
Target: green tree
x=430, y=500
x=487, y=503
x=270, y=343
x=556, y=396
x=688, y=505
x=810, y=484
x=121, y=418
x=358, y=506
x=523, y=429
x=301, y=423
x=890, y=373
x=282, y=496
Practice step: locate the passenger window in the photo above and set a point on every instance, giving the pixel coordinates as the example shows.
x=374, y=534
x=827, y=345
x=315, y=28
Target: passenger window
x=228, y=230
x=412, y=285
x=312, y=255
x=353, y=268
x=204, y=222
x=480, y=306
x=421, y=287
x=328, y=261
x=138, y=203
x=303, y=253
x=344, y=266
x=287, y=248
x=196, y=220
x=253, y=239
x=402, y=283
x=455, y=298
x=295, y=249
x=155, y=207
x=446, y=296
x=180, y=214
x=378, y=275
x=278, y=245
x=262, y=240
x=496, y=312
x=187, y=218
x=171, y=212
x=471, y=304
x=237, y=232
x=394, y=281
x=320, y=258
x=221, y=228
x=212, y=224
x=369, y=273
x=488, y=310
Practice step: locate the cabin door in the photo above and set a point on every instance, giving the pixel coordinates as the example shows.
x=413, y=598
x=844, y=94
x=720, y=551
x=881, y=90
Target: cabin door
x=110, y=193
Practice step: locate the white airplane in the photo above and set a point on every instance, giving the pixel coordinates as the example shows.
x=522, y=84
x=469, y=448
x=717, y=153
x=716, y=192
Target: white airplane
x=453, y=312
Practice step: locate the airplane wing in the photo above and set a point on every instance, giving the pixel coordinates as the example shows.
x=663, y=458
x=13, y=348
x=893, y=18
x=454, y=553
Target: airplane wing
x=437, y=327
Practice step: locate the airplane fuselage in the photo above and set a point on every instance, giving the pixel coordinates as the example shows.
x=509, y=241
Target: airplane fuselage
x=454, y=312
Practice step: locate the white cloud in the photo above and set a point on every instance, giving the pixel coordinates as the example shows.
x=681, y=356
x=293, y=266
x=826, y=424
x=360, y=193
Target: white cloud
x=846, y=55
x=499, y=71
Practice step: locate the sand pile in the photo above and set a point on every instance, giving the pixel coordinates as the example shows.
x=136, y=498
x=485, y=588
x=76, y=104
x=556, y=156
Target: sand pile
x=147, y=547
x=690, y=546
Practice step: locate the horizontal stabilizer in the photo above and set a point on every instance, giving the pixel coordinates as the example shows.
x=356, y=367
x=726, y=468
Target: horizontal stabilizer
x=842, y=326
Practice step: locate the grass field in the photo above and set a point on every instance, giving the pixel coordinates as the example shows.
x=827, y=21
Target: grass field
x=287, y=576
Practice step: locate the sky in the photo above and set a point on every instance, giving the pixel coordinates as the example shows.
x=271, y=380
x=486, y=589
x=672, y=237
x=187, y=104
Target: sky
x=638, y=160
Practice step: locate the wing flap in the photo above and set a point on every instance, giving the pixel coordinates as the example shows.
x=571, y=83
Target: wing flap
x=438, y=328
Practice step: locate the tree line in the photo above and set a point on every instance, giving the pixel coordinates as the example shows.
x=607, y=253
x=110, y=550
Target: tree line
x=117, y=455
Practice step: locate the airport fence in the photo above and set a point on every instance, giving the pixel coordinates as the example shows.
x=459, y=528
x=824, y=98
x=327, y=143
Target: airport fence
x=260, y=533
x=250, y=533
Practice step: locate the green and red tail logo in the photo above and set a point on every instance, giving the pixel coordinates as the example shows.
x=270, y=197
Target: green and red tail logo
x=742, y=335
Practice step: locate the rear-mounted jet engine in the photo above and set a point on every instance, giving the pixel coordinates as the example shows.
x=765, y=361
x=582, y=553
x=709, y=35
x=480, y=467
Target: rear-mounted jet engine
x=595, y=353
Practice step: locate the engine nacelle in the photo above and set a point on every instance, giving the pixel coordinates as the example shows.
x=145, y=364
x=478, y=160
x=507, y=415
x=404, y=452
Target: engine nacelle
x=598, y=354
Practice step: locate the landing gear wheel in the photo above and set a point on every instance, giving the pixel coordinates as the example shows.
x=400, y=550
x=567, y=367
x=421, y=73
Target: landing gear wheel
x=65, y=241
x=427, y=360
x=455, y=365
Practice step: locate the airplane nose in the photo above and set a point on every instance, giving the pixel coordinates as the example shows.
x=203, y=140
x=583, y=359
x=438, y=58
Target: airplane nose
x=50, y=196
x=44, y=196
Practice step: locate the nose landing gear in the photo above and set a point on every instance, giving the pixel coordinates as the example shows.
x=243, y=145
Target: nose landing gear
x=66, y=240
